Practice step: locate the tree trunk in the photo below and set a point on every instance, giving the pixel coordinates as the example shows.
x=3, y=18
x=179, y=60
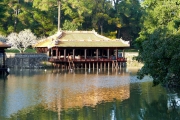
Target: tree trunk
x=118, y=34
x=59, y=15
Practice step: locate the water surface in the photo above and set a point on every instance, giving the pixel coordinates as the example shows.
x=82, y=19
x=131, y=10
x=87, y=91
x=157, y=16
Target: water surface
x=85, y=95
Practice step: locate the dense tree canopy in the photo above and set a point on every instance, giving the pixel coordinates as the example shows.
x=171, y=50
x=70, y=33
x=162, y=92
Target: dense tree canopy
x=158, y=43
x=112, y=18
x=2, y=15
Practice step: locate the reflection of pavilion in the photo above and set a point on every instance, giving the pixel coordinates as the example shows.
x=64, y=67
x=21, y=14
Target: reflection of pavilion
x=90, y=94
x=91, y=98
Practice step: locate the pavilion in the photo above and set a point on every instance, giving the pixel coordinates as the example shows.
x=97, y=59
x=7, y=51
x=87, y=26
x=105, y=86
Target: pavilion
x=3, y=68
x=72, y=49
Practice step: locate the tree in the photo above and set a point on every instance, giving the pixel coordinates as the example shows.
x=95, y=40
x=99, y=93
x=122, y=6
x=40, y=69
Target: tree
x=43, y=16
x=2, y=15
x=69, y=26
x=22, y=40
x=2, y=38
x=101, y=14
x=2, y=8
x=129, y=14
x=158, y=42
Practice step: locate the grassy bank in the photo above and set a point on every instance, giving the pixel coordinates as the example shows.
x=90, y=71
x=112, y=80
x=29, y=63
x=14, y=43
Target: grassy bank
x=29, y=50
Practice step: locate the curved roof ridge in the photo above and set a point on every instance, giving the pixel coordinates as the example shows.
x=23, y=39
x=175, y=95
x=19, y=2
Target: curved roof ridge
x=83, y=31
x=53, y=37
x=101, y=36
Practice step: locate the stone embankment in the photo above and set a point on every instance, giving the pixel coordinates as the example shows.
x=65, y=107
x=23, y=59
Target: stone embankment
x=40, y=60
x=26, y=60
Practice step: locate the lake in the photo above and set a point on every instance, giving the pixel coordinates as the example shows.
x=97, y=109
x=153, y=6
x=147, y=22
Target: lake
x=40, y=94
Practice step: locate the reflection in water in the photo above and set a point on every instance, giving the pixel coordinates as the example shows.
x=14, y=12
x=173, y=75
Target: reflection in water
x=82, y=95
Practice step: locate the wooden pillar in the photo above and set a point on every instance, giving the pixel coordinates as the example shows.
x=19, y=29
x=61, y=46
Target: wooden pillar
x=51, y=53
x=101, y=65
x=85, y=54
x=116, y=53
x=108, y=53
x=57, y=55
x=93, y=66
x=108, y=65
x=85, y=65
x=116, y=64
x=73, y=53
x=97, y=66
x=104, y=65
x=4, y=59
x=64, y=54
x=97, y=54
x=123, y=54
x=66, y=66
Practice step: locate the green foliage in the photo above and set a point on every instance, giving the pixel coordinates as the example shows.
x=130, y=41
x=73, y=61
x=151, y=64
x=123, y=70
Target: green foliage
x=128, y=13
x=111, y=35
x=41, y=16
x=2, y=15
x=44, y=5
x=69, y=25
x=159, y=42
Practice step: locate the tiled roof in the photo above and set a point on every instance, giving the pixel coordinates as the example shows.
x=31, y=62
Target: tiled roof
x=80, y=39
x=3, y=45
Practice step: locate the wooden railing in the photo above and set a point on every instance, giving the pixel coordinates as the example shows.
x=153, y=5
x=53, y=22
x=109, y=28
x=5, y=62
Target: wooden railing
x=53, y=59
